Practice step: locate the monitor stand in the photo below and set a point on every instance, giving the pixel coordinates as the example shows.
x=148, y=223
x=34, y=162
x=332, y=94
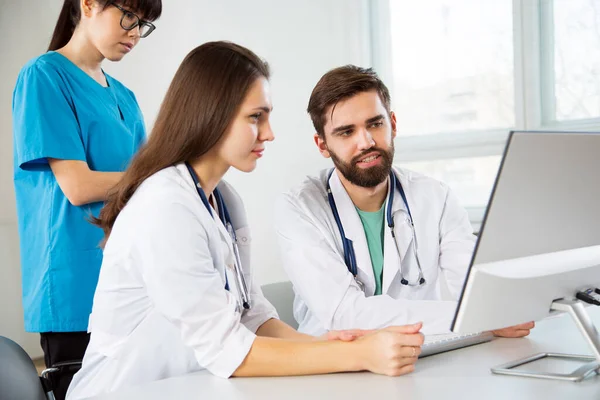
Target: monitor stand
x=576, y=309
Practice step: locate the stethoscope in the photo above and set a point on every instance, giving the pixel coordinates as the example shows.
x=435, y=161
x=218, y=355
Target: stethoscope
x=226, y=220
x=350, y=256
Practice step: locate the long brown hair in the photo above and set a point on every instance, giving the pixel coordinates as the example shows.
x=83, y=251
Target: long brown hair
x=70, y=14
x=203, y=99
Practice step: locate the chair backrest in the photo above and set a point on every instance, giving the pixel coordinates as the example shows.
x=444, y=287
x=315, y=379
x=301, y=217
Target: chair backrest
x=18, y=376
x=281, y=295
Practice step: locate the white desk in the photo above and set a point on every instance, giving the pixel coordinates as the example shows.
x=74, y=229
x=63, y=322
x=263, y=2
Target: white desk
x=462, y=374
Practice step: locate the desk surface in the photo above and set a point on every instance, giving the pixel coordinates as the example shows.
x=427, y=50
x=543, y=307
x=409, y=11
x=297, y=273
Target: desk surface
x=460, y=374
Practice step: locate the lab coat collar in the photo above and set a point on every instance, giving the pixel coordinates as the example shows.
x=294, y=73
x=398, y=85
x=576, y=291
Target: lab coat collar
x=189, y=182
x=354, y=231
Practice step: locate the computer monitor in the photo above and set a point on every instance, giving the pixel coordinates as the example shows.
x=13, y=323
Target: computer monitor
x=540, y=238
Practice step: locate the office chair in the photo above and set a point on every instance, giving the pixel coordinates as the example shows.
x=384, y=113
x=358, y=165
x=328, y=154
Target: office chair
x=18, y=375
x=281, y=295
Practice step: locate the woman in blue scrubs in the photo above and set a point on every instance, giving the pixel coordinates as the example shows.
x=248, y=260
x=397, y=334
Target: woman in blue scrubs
x=75, y=130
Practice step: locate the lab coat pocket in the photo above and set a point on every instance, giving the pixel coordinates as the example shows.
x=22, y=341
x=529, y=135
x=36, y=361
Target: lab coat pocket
x=429, y=258
x=244, y=241
x=430, y=273
x=243, y=236
x=430, y=269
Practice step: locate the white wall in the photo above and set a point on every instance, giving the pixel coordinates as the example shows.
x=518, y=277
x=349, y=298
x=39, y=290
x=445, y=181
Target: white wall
x=301, y=40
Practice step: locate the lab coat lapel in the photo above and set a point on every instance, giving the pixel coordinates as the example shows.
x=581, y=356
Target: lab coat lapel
x=354, y=231
x=393, y=257
x=225, y=237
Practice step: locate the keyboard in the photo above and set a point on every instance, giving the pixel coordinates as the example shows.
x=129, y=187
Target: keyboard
x=435, y=344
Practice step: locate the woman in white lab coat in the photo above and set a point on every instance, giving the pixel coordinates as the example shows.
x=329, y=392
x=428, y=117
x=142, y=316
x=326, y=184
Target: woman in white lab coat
x=176, y=292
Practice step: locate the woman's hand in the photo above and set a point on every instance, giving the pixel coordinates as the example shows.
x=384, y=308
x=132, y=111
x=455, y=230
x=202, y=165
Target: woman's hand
x=346, y=335
x=392, y=351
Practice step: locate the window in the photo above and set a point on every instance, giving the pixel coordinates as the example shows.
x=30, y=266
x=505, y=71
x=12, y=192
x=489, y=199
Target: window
x=570, y=59
x=469, y=177
x=452, y=63
x=463, y=73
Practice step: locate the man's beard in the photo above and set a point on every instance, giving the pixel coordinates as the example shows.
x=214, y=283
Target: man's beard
x=369, y=177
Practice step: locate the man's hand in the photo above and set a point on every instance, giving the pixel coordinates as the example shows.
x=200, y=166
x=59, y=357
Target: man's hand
x=516, y=331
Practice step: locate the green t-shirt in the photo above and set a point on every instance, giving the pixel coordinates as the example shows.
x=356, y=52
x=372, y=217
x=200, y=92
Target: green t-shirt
x=373, y=226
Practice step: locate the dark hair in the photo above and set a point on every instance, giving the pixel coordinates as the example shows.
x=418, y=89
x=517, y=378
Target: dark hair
x=204, y=97
x=70, y=14
x=339, y=84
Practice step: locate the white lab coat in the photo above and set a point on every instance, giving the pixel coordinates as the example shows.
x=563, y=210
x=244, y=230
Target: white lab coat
x=160, y=308
x=327, y=296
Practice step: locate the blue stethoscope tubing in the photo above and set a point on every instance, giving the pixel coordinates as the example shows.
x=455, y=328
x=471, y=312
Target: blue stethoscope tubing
x=348, y=247
x=226, y=220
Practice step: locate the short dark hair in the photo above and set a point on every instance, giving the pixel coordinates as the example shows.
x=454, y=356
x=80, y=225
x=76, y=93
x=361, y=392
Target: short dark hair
x=339, y=84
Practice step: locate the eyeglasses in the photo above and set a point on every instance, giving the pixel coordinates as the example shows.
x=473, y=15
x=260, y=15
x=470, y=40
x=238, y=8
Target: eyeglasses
x=129, y=21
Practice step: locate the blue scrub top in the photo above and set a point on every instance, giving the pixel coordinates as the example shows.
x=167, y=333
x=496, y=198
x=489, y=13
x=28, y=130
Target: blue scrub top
x=61, y=112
